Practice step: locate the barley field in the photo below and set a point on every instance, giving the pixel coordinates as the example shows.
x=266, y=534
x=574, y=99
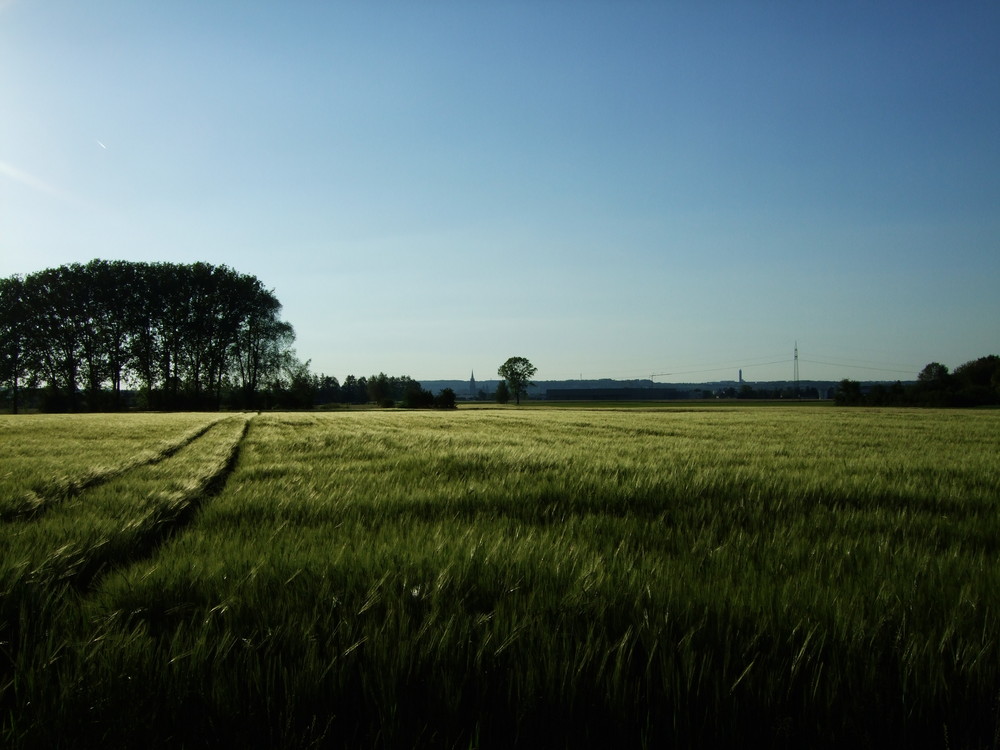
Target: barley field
x=674, y=576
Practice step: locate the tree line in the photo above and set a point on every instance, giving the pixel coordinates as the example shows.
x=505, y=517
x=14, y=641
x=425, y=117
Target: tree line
x=180, y=336
x=975, y=383
x=382, y=390
x=748, y=392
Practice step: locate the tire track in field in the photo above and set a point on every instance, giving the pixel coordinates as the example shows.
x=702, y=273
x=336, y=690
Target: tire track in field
x=41, y=498
x=34, y=599
x=173, y=517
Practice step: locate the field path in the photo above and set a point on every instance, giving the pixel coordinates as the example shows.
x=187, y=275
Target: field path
x=125, y=515
x=117, y=520
x=44, y=496
x=175, y=506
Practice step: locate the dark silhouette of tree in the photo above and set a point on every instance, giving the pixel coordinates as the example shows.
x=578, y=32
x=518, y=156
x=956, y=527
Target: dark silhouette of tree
x=56, y=326
x=934, y=386
x=111, y=326
x=294, y=387
x=327, y=389
x=848, y=393
x=415, y=397
x=503, y=392
x=517, y=372
x=980, y=372
x=978, y=382
x=262, y=343
x=445, y=399
x=975, y=383
x=186, y=335
x=144, y=321
x=380, y=390
x=14, y=340
x=934, y=373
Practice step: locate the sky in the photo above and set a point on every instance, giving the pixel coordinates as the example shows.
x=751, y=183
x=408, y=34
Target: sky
x=610, y=189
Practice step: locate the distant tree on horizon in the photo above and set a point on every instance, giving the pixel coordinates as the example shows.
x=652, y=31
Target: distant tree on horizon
x=517, y=372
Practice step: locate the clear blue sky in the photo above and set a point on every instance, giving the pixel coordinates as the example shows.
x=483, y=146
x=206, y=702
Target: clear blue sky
x=611, y=189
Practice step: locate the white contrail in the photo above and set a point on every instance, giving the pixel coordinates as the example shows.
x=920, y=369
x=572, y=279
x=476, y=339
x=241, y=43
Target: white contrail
x=31, y=181
x=101, y=145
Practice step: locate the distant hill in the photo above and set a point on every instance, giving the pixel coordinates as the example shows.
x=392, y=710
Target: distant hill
x=607, y=388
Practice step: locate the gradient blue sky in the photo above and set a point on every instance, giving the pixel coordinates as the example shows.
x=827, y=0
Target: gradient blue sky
x=611, y=189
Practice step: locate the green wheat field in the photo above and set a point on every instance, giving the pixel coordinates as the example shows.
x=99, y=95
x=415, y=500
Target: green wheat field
x=797, y=576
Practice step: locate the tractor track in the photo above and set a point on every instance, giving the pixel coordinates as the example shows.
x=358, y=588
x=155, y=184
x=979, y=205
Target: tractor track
x=37, y=500
x=171, y=518
x=30, y=596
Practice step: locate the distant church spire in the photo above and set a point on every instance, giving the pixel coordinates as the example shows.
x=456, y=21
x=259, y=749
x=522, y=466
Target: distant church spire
x=472, y=385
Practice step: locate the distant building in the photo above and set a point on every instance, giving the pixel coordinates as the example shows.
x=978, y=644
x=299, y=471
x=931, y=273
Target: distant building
x=472, y=385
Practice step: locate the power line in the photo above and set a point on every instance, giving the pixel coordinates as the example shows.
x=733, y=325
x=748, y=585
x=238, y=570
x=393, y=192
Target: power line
x=717, y=369
x=749, y=364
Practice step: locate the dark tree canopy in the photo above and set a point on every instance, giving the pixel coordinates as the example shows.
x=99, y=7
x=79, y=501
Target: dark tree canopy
x=975, y=383
x=980, y=373
x=13, y=333
x=517, y=372
x=183, y=336
x=934, y=372
x=503, y=392
x=386, y=390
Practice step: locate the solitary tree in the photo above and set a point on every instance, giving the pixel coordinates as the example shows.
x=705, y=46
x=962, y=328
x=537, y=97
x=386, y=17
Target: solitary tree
x=517, y=372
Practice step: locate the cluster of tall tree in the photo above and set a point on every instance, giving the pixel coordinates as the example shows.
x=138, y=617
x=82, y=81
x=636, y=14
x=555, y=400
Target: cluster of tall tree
x=182, y=336
x=975, y=383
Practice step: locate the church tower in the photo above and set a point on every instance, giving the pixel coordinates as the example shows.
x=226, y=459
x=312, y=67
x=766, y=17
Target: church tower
x=472, y=385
